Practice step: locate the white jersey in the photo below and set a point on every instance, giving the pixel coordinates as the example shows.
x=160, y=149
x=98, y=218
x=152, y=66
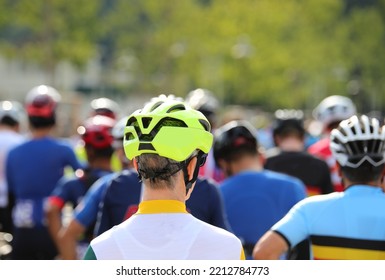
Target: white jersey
x=8, y=140
x=162, y=229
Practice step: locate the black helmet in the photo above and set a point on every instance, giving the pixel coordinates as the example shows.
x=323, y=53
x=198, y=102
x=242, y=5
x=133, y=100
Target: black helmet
x=233, y=138
x=288, y=121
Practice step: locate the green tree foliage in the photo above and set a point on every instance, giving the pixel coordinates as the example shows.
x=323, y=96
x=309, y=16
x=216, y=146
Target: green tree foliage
x=270, y=53
x=49, y=31
x=262, y=52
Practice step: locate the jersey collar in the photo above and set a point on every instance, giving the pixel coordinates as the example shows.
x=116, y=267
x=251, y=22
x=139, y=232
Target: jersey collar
x=161, y=206
x=360, y=189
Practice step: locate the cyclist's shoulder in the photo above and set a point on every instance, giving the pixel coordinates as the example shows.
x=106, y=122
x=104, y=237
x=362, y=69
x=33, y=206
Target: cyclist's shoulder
x=321, y=146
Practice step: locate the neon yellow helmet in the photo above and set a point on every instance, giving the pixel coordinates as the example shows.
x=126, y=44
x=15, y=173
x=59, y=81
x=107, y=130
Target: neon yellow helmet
x=169, y=128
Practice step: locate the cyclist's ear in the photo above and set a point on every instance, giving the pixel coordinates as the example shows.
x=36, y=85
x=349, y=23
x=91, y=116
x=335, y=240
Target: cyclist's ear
x=191, y=167
x=135, y=163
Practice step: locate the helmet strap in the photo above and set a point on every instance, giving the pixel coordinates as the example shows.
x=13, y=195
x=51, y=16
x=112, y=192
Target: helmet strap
x=200, y=160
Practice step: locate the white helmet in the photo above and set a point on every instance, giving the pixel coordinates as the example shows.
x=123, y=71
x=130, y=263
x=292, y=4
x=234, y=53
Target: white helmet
x=105, y=106
x=334, y=108
x=118, y=129
x=357, y=140
x=202, y=100
x=11, y=109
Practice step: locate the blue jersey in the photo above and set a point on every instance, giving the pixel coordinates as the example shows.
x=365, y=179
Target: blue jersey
x=87, y=210
x=341, y=225
x=123, y=196
x=33, y=170
x=206, y=204
x=120, y=201
x=255, y=201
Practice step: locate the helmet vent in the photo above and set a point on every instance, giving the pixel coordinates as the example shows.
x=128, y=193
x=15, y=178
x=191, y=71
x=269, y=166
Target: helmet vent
x=146, y=122
x=146, y=146
x=170, y=122
x=156, y=105
x=129, y=136
x=178, y=107
x=205, y=124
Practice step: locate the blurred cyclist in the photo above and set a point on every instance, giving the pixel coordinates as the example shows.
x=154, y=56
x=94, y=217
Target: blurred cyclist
x=97, y=140
x=330, y=112
x=33, y=169
x=342, y=225
x=107, y=107
x=289, y=157
x=11, y=117
x=254, y=198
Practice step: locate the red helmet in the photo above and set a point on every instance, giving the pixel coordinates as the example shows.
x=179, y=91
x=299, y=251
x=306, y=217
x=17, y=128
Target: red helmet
x=41, y=101
x=97, y=132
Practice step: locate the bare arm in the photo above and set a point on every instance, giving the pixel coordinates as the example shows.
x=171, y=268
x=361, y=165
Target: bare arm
x=68, y=238
x=270, y=246
x=53, y=215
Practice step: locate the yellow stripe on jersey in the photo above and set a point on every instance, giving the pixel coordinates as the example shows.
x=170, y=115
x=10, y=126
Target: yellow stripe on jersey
x=161, y=206
x=242, y=257
x=338, y=253
x=312, y=190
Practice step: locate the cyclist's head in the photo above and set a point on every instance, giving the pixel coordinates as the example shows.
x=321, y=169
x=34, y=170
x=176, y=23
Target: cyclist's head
x=234, y=140
x=11, y=113
x=105, y=107
x=358, y=144
x=334, y=109
x=288, y=123
x=204, y=101
x=164, y=136
x=41, y=103
x=96, y=133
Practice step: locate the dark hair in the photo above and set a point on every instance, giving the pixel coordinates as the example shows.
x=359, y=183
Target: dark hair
x=42, y=122
x=7, y=120
x=102, y=152
x=288, y=122
x=289, y=127
x=159, y=170
x=363, y=174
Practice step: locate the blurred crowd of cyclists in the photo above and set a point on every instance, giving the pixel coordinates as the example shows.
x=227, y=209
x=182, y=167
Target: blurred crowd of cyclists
x=57, y=194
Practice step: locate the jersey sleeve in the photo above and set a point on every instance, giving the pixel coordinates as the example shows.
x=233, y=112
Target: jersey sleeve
x=61, y=193
x=86, y=212
x=219, y=217
x=293, y=226
x=72, y=159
